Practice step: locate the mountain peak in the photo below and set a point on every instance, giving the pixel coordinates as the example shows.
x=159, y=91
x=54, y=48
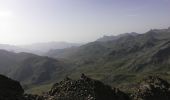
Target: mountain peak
x=85, y=88
x=106, y=38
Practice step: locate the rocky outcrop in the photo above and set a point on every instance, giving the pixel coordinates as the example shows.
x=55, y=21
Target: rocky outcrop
x=150, y=88
x=84, y=89
x=153, y=88
x=10, y=89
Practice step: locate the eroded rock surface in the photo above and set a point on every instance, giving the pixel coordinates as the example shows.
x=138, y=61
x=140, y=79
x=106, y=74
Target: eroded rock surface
x=84, y=89
x=153, y=88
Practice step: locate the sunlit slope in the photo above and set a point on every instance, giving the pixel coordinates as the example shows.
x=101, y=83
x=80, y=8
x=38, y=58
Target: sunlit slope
x=127, y=55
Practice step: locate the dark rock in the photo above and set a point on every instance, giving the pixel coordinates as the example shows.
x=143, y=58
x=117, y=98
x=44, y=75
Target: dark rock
x=84, y=89
x=32, y=97
x=10, y=89
x=153, y=88
x=150, y=88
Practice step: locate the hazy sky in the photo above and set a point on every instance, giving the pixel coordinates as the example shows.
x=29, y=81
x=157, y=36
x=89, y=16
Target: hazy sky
x=30, y=21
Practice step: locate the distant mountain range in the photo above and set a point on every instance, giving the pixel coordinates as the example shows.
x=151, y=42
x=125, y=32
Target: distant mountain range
x=111, y=38
x=121, y=58
x=38, y=48
x=61, y=53
x=12, y=48
x=29, y=68
x=115, y=60
x=45, y=47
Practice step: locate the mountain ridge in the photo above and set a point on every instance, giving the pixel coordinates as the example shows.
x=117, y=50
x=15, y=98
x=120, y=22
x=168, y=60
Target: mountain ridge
x=115, y=37
x=30, y=68
x=115, y=62
x=129, y=54
x=38, y=48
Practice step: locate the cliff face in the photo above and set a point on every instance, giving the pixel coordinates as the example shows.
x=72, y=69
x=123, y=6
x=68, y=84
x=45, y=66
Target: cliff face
x=153, y=88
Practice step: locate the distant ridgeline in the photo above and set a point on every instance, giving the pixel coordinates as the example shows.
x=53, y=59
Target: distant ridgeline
x=115, y=60
x=120, y=59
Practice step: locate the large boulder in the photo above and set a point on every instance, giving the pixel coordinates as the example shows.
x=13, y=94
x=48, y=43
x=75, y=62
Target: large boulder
x=84, y=89
x=153, y=88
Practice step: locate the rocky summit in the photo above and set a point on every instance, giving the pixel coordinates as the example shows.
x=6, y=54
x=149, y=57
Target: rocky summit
x=153, y=88
x=84, y=89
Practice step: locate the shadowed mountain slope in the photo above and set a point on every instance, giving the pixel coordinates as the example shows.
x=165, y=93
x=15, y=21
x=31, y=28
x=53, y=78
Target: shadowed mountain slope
x=29, y=68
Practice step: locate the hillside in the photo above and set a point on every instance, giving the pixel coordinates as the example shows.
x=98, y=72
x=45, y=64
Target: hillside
x=29, y=68
x=122, y=59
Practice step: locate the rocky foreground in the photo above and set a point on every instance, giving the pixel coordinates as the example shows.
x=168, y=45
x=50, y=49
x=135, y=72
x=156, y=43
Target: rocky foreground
x=151, y=88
